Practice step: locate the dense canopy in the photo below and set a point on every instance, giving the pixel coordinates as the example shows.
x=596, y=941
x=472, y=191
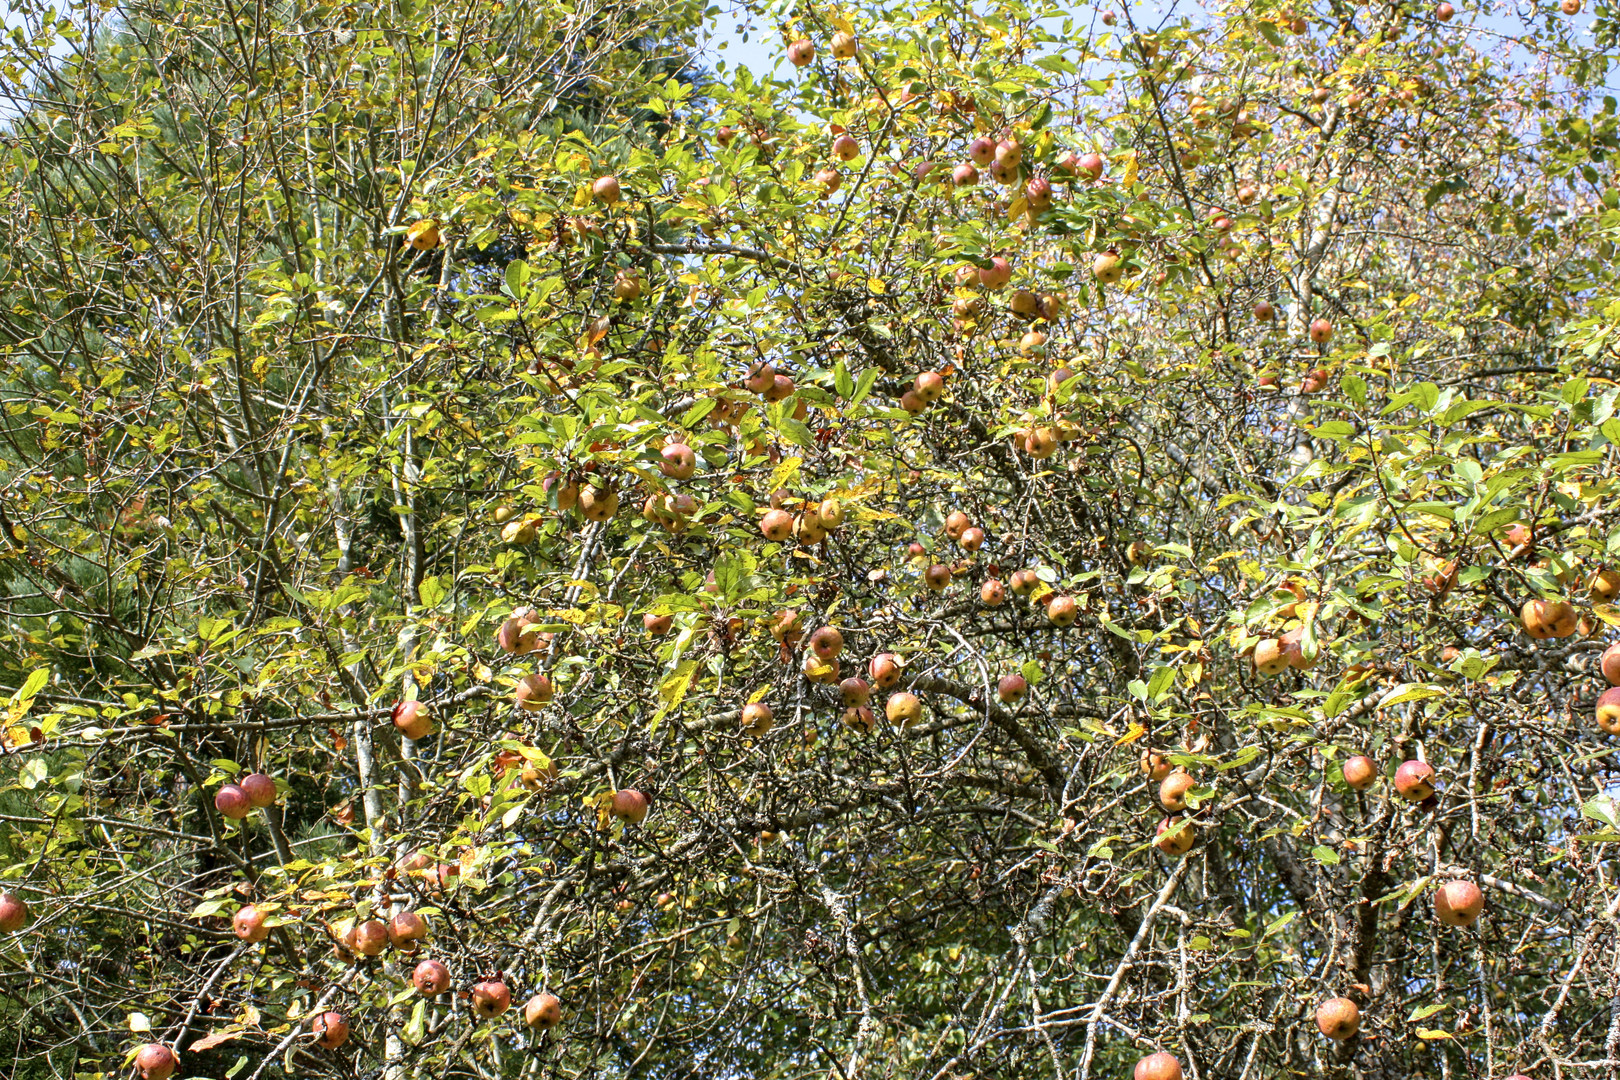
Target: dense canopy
x=997, y=542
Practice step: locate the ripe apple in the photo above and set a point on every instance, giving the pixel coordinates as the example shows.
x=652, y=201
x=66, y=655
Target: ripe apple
x=855, y=690
x=626, y=286
x=543, y=1011
x=248, y=924
x=1010, y=153
x=1039, y=193
x=843, y=45
x=1265, y=312
x=517, y=635
x=777, y=525
x=787, y=628
x=1160, y=1066
x=826, y=642
x=1609, y=665
x=1040, y=442
x=656, y=625
x=261, y=790
x=801, y=52
x=1011, y=688
x=1140, y=553
x=1155, y=766
x=1545, y=619
x=1024, y=582
x=630, y=805
x=678, y=461
x=369, y=938
x=412, y=719
x=982, y=151
x=903, y=709
x=598, y=504
x=885, y=670
x=845, y=148
x=965, y=175
x=1271, y=657
x=1414, y=781
x=760, y=378
x=430, y=978
x=807, y=527
x=858, y=718
x=937, y=577
x=1053, y=306
x=997, y=274
x=757, y=718
x=1608, y=711
x=1458, y=903
x=490, y=998
x=930, y=387
x=1107, y=268
x=1338, y=1018
x=156, y=1062
x=831, y=512
x=1570, y=7
x=782, y=387
x=1062, y=611
x=1360, y=772
x=1246, y=194
x=956, y=523
x=406, y=927
x=1444, y=12
x=830, y=180
x=1321, y=331
x=533, y=692
x=913, y=404
x=1315, y=381
x=992, y=593
x=233, y=802
x=606, y=190
x=1108, y=19
x=13, y=913
x=1176, y=836
x=330, y=1029
x=1173, y=791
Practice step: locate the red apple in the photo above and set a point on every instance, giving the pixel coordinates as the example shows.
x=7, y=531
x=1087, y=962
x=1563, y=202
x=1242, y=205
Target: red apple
x=606, y=190
x=760, y=378
x=543, y=1011
x=845, y=148
x=412, y=720
x=937, y=577
x=777, y=525
x=1338, y=1018
x=757, y=718
x=330, y=1029
x=1265, y=312
x=1608, y=711
x=233, y=802
x=992, y=593
x=1062, y=611
x=533, y=691
x=1176, y=836
x=1444, y=12
x=855, y=690
x=801, y=52
x=405, y=927
x=13, y=913
x=261, y=790
x=630, y=805
x=490, y=999
x=885, y=670
x=1414, y=781
x=678, y=461
x=430, y=978
x=1154, y=765
x=826, y=642
x=965, y=175
x=982, y=151
x=1160, y=1066
x=156, y=1062
x=1024, y=582
x=1321, y=331
x=1360, y=772
x=1458, y=903
x=997, y=275
x=370, y=937
x=1011, y=688
x=248, y=924
x=656, y=625
x=1173, y=791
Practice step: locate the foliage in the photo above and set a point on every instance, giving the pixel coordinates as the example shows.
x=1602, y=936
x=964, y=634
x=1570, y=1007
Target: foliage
x=321, y=339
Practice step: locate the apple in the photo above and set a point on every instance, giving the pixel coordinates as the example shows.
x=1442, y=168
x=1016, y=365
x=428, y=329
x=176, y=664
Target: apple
x=1039, y=193
x=1293, y=647
x=1246, y=194
x=233, y=802
x=1033, y=343
x=1140, y=553
x=1360, y=772
x=929, y=386
x=423, y=235
x=1062, y=611
x=807, y=527
x=1271, y=657
x=606, y=190
x=490, y=999
x=1053, y=306
x=406, y=927
x=1040, y=443
x=843, y=45
x=913, y=404
x=1265, y=312
x=630, y=805
x=801, y=52
x=430, y=978
x=155, y=1061
x=786, y=627
x=830, y=180
x=543, y=1011
x=1107, y=268
x=1414, y=781
x=656, y=625
x=997, y=274
x=760, y=378
x=330, y=1029
x=831, y=512
x=885, y=670
x=626, y=286
x=826, y=642
x=757, y=718
x=1570, y=7
x=992, y=593
x=845, y=148
x=261, y=790
x=1314, y=381
x=965, y=175
x=598, y=504
x=1090, y=165
x=1321, y=331
x=1608, y=711
x=956, y=523
x=1160, y=1066
x=1338, y=1018
x=517, y=635
x=903, y=709
x=1609, y=665
x=367, y=938
x=858, y=718
x=1155, y=766
x=1011, y=688
x=781, y=388
x=412, y=719
x=1604, y=586
x=1545, y=619
x=1010, y=152
x=724, y=135
x=982, y=151
x=937, y=577
x=678, y=461
x=1173, y=791
x=855, y=690
x=533, y=692
x=248, y=924
x=1175, y=836
x=1444, y=12
x=1458, y=903
x=13, y=913
x=777, y=525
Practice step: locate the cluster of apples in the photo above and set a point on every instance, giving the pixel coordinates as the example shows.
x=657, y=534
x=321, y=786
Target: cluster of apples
x=255, y=791
x=520, y=635
x=810, y=525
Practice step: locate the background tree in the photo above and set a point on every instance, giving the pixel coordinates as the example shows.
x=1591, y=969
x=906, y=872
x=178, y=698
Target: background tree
x=1011, y=545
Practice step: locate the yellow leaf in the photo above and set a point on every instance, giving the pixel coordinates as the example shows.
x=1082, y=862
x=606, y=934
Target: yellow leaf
x=1129, y=176
x=1431, y=1034
x=1134, y=732
x=841, y=23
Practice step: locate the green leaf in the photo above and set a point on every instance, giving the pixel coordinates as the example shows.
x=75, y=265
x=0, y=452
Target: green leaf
x=1325, y=855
